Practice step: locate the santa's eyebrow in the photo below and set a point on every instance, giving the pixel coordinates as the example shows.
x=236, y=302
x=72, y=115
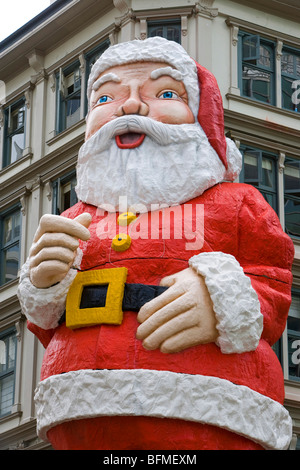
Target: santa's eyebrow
x=108, y=77
x=155, y=74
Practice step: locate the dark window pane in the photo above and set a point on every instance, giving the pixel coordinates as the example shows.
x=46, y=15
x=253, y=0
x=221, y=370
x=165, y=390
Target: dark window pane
x=292, y=217
x=292, y=177
x=298, y=66
x=11, y=263
x=168, y=30
x=259, y=170
x=8, y=224
x=250, y=166
x=294, y=355
x=264, y=56
x=72, y=110
x=16, y=146
x=268, y=173
x=8, y=344
x=6, y=394
x=257, y=84
x=158, y=31
x=287, y=94
x=17, y=225
x=173, y=33
x=293, y=330
x=287, y=63
x=290, y=65
x=10, y=246
x=251, y=48
x=14, y=133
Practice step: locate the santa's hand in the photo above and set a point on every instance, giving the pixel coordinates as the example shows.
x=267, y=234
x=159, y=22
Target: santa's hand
x=54, y=248
x=179, y=318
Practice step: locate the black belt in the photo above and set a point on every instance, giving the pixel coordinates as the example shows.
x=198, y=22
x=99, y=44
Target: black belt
x=135, y=296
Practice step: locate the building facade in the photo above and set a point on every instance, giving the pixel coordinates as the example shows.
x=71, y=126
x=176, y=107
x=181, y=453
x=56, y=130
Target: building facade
x=253, y=49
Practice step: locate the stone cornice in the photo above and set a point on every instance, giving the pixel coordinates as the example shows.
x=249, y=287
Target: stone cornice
x=267, y=32
x=289, y=9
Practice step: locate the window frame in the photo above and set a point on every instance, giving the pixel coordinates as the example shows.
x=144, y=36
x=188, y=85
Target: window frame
x=164, y=24
x=288, y=195
x=272, y=70
x=7, y=333
x=295, y=335
x=57, y=185
x=61, y=99
x=4, y=247
x=263, y=189
x=17, y=104
x=296, y=53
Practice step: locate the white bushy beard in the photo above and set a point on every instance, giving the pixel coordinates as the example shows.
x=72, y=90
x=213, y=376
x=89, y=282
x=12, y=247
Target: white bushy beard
x=174, y=164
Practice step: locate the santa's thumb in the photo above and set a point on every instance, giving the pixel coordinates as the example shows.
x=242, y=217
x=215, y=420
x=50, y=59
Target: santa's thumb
x=84, y=219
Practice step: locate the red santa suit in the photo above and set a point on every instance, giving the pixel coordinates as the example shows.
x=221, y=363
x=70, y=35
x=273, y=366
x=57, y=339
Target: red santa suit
x=101, y=389
x=209, y=391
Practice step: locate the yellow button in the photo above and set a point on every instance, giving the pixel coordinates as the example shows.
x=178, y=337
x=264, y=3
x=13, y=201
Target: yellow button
x=126, y=218
x=121, y=242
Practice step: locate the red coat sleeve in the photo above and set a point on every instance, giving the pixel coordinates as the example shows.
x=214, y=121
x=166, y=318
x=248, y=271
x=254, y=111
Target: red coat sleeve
x=266, y=254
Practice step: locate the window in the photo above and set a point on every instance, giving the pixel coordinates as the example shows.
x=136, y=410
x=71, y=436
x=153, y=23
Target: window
x=64, y=195
x=10, y=224
x=68, y=97
x=259, y=169
x=292, y=196
x=14, y=132
x=290, y=74
x=8, y=346
x=168, y=29
x=257, y=68
x=91, y=57
x=293, y=332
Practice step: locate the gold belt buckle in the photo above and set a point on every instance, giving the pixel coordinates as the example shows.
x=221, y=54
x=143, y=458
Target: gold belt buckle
x=112, y=313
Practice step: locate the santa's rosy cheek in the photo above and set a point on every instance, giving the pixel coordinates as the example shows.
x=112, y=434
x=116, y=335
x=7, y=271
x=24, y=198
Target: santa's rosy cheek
x=171, y=112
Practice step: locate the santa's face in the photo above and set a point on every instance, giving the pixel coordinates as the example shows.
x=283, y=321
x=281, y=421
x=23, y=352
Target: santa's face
x=143, y=144
x=151, y=89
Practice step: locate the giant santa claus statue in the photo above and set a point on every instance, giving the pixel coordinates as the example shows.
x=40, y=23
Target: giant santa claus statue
x=159, y=295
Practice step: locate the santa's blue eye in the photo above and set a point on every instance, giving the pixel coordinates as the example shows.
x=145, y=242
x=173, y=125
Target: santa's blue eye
x=104, y=99
x=168, y=95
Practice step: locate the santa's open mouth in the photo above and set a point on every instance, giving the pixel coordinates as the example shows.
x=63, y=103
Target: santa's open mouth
x=130, y=140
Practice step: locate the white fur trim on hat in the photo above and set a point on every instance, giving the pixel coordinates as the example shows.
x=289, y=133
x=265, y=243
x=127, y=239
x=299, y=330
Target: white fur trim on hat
x=154, y=49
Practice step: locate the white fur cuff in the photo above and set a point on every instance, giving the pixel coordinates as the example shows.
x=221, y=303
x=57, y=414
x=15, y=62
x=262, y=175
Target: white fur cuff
x=236, y=305
x=43, y=307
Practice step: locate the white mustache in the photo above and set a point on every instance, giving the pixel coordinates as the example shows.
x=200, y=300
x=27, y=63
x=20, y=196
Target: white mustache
x=161, y=133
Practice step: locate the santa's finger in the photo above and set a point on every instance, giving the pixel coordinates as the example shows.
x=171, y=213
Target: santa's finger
x=56, y=223
x=52, y=253
x=168, y=281
x=163, y=315
x=54, y=240
x=182, y=340
x=48, y=273
x=181, y=322
x=158, y=303
x=84, y=219
x=188, y=338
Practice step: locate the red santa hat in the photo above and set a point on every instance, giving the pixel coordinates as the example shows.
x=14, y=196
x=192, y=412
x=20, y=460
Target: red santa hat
x=210, y=114
x=203, y=92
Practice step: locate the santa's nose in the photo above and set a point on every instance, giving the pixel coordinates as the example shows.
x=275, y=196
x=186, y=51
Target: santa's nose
x=133, y=105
